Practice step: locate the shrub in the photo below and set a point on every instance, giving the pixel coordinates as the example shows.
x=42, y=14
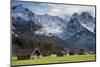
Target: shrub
x=59, y=54
x=71, y=52
x=81, y=52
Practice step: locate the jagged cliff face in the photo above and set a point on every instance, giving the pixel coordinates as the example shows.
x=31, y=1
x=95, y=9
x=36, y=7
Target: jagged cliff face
x=51, y=24
x=78, y=30
x=87, y=21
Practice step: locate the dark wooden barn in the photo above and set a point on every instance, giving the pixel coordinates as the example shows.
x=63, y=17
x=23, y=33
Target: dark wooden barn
x=23, y=54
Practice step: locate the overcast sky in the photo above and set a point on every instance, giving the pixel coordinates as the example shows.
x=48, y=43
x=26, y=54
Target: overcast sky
x=56, y=9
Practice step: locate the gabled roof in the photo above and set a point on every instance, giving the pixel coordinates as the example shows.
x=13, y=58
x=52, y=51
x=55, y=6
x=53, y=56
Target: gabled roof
x=26, y=52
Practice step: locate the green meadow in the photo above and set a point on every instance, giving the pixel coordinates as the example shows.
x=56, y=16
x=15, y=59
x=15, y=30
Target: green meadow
x=53, y=59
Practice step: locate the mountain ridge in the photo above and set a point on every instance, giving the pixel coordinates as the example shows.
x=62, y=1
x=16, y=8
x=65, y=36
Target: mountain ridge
x=27, y=23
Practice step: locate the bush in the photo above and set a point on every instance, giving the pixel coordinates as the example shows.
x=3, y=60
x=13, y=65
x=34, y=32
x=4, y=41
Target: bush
x=59, y=54
x=81, y=52
x=71, y=52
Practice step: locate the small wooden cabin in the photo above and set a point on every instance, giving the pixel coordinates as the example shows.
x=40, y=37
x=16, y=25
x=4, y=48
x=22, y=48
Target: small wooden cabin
x=23, y=54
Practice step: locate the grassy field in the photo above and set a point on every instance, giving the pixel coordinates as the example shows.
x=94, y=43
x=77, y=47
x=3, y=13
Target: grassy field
x=53, y=59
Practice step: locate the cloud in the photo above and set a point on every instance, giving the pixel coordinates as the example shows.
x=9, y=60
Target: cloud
x=57, y=9
x=55, y=12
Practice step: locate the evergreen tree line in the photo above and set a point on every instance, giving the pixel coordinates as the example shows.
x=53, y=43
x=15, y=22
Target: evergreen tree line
x=46, y=47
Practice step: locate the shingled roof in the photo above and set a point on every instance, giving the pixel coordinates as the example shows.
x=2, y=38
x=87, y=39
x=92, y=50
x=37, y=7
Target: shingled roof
x=26, y=52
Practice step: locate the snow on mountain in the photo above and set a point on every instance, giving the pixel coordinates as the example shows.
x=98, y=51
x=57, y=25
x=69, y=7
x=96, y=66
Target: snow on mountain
x=77, y=29
x=78, y=22
x=24, y=15
x=51, y=24
x=63, y=28
x=22, y=19
x=73, y=26
x=21, y=11
x=87, y=21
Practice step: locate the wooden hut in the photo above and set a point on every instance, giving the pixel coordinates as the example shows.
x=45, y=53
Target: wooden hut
x=23, y=54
